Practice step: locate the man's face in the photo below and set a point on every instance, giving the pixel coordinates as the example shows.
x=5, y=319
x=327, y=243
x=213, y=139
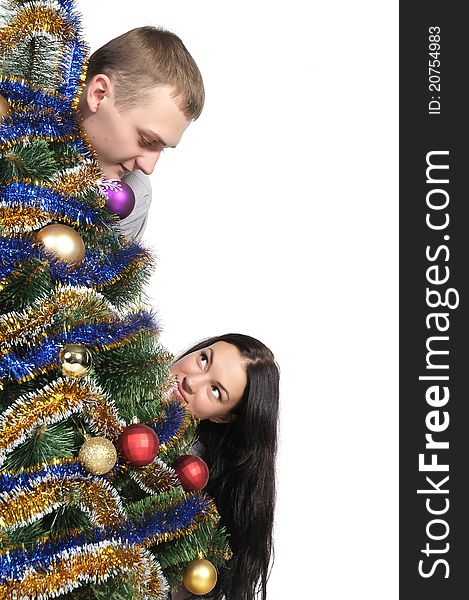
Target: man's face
x=132, y=139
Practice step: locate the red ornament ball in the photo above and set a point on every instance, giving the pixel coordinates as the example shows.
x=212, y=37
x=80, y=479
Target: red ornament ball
x=192, y=472
x=138, y=444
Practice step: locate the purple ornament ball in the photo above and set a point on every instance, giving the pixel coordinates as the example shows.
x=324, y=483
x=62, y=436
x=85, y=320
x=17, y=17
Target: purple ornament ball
x=120, y=197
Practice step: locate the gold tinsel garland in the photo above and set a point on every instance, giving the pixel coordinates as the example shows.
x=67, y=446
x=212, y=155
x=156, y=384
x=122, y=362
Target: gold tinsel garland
x=29, y=326
x=55, y=403
x=7, y=145
x=124, y=277
x=15, y=218
x=94, y=495
x=41, y=266
x=34, y=19
x=36, y=371
x=19, y=219
x=79, y=180
x=91, y=563
x=155, y=477
x=49, y=577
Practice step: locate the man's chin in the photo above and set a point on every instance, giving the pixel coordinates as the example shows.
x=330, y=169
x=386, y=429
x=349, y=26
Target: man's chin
x=113, y=173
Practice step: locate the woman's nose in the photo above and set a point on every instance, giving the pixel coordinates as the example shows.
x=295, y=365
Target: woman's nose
x=191, y=383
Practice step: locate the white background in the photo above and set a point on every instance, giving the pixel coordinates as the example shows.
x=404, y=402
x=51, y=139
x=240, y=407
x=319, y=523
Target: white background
x=277, y=217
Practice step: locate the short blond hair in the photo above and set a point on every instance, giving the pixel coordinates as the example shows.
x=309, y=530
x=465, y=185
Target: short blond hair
x=147, y=57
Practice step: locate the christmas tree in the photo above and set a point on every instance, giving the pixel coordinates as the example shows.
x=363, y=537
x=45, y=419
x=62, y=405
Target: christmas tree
x=85, y=510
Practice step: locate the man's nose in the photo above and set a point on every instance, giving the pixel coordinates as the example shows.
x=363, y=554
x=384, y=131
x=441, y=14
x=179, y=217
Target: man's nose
x=147, y=161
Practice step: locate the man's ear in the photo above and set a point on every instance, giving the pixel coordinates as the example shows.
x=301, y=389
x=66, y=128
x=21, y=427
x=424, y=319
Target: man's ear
x=228, y=418
x=98, y=88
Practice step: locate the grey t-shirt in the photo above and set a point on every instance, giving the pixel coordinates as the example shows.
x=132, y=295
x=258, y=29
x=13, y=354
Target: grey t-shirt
x=134, y=225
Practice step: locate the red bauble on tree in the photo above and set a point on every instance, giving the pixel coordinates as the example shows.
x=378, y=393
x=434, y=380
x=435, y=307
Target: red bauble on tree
x=192, y=472
x=138, y=444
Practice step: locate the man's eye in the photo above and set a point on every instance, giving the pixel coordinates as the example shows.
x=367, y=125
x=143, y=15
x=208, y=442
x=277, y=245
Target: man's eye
x=145, y=142
x=216, y=392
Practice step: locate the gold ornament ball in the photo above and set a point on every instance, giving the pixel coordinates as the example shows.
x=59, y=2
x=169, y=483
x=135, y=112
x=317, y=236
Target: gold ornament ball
x=98, y=455
x=76, y=360
x=63, y=241
x=4, y=108
x=200, y=576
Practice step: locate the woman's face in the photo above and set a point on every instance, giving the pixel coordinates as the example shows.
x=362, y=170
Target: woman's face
x=211, y=381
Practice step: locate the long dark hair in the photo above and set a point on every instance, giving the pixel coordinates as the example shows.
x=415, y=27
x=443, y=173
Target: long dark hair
x=241, y=458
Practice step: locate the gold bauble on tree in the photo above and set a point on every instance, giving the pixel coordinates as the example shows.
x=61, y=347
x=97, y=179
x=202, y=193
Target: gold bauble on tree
x=200, y=576
x=4, y=108
x=63, y=242
x=98, y=455
x=76, y=360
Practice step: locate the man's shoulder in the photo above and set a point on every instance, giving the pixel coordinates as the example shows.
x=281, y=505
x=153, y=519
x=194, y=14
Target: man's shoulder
x=138, y=181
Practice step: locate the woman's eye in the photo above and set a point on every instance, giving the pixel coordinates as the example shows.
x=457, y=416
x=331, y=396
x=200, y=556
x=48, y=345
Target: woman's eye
x=145, y=142
x=216, y=392
x=203, y=359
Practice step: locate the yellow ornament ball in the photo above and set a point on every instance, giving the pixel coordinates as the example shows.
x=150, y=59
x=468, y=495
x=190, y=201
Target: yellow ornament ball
x=200, y=576
x=98, y=455
x=76, y=360
x=63, y=242
x=4, y=108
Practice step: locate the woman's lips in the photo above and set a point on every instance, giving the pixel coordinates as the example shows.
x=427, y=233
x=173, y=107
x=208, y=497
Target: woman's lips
x=179, y=393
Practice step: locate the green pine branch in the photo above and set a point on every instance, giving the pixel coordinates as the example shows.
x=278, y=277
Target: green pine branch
x=128, y=288
x=35, y=59
x=207, y=539
x=122, y=587
x=12, y=389
x=68, y=517
x=33, y=160
x=58, y=440
x=134, y=375
x=30, y=282
x=22, y=536
x=204, y=541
